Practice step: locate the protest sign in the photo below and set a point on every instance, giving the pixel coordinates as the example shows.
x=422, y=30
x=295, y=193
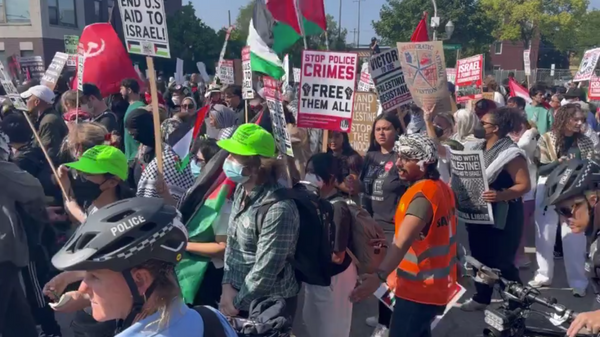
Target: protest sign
x=388, y=77
x=594, y=88
x=365, y=83
x=527, y=62
x=179, y=79
x=32, y=67
x=71, y=43
x=587, y=66
x=469, y=74
x=327, y=90
x=11, y=90
x=247, y=92
x=80, y=68
x=285, y=80
x=54, y=70
x=424, y=70
x=469, y=181
x=226, y=74
x=273, y=98
x=451, y=75
x=222, y=54
x=145, y=27
x=296, y=75
x=365, y=112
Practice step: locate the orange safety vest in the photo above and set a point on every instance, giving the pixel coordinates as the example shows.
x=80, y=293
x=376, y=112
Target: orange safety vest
x=427, y=274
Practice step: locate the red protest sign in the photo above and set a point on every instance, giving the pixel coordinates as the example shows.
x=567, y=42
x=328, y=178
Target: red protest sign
x=469, y=73
x=594, y=88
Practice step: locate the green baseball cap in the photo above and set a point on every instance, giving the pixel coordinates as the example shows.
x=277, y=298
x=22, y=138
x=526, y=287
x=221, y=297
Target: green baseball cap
x=102, y=159
x=249, y=140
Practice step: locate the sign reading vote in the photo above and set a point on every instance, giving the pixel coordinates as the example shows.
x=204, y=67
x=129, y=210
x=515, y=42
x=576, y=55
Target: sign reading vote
x=145, y=27
x=327, y=90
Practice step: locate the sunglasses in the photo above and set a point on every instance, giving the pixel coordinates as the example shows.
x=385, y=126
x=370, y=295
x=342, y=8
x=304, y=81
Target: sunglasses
x=187, y=106
x=567, y=211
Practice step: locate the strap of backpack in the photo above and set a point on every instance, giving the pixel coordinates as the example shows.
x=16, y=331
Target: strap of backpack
x=276, y=196
x=213, y=327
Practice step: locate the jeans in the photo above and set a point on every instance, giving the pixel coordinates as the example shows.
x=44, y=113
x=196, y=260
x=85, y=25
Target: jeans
x=411, y=319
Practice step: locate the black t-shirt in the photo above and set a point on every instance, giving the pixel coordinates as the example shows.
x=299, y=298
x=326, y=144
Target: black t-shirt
x=109, y=120
x=342, y=218
x=382, y=188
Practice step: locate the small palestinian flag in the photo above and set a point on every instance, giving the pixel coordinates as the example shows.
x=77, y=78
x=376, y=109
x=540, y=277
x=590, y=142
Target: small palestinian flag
x=183, y=137
x=161, y=50
x=134, y=47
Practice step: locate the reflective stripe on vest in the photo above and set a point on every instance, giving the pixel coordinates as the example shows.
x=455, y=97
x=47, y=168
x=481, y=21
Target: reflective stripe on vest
x=431, y=252
x=423, y=275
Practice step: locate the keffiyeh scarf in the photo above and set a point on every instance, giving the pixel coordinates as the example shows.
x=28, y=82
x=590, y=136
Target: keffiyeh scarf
x=498, y=156
x=417, y=146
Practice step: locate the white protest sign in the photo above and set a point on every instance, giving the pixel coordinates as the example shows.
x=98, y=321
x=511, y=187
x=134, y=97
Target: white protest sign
x=552, y=67
x=273, y=98
x=80, y=66
x=451, y=75
x=222, y=54
x=247, y=92
x=527, y=62
x=202, y=69
x=285, y=80
x=226, y=73
x=327, y=90
x=11, y=90
x=296, y=75
x=54, y=70
x=179, y=72
x=145, y=27
x=365, y=83
x=386, y=73
x=32, y=66
x=587, y=65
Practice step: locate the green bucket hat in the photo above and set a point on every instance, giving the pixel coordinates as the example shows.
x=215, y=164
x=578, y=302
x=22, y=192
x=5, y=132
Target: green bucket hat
x=102, y=159
x=249, y=140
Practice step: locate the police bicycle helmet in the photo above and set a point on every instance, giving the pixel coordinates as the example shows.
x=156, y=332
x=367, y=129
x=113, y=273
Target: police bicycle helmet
x=122, y=236
x=572, y=178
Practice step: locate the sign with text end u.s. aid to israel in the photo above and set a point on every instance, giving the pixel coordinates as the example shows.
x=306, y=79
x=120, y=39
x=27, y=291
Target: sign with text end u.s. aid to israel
x=247, y=91
x=327, y=90
x=365, y=112
x=145, y=27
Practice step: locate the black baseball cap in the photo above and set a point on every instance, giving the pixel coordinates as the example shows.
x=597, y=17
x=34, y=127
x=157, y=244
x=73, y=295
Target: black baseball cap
x=574, y=93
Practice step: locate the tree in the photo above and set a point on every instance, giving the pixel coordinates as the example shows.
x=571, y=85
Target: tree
x=518, y=20
x=399, y=18
x=586, y=37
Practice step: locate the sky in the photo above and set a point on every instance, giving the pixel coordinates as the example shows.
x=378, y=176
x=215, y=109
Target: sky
x=215, y=14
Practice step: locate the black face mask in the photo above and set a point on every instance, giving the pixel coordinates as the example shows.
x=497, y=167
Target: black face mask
x=85, y=191
x=479, y=131
x=439, y=132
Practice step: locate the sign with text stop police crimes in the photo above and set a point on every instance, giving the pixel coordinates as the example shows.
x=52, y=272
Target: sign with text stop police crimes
x=327, y=90
x=145, y=27
x=468, y=81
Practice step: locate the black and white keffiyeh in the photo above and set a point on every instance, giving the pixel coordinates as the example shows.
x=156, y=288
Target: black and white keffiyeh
x=500, y=154
x=417, y=146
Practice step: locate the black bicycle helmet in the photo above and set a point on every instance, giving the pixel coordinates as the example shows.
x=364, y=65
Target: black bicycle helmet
x=572, y=178
x=124, y=235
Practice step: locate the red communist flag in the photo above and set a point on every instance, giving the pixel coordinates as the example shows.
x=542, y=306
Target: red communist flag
x=420, y=34
x=107, y=62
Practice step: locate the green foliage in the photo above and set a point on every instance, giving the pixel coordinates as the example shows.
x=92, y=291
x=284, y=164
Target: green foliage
x=586, y=36
x=399, y=18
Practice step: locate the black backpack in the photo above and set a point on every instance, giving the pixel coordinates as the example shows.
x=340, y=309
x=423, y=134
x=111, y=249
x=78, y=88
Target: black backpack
x=312, y=261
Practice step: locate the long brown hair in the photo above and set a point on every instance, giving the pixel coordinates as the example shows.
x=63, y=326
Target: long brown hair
x=561, y=119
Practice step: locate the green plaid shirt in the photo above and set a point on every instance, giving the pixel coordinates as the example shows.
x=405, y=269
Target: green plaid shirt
x=256, y=263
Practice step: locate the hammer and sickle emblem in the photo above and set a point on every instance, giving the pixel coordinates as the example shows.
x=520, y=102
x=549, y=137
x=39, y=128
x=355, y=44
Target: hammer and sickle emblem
x=93, y=49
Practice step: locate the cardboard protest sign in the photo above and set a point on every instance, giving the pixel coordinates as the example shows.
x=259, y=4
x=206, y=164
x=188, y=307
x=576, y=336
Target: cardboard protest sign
x=365, y=112
x=32, y=67
x=469, y=78
x=424, y=70
x=226, y=74
x=527, y=62
x=594, y=88
x=587, y=65
x=145, y=27
x=247, y=92
x=80, y=68
x=388, y=77
x=11, y=90
x=365, y=83
x=451, y=75
x=54, y=70
x=327, y=90
x=71, y=43
x=273, y=98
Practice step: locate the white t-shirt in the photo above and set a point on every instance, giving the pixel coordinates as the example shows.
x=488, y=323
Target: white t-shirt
x=528, y=143
x=444, y=164
x=220, y=228
x=499, y=99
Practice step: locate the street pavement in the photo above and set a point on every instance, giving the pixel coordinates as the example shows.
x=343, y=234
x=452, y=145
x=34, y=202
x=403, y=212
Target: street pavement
x=456, y=323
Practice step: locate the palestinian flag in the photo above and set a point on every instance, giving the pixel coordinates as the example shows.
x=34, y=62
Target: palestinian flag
x=516, y=90
x=182, y=138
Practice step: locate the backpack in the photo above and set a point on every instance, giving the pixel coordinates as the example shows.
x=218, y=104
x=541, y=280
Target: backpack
x=365, y=253
x=312, y=260
x=212, y=324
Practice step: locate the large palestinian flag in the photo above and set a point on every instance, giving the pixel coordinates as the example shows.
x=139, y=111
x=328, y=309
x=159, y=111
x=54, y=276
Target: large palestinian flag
x=275, y=27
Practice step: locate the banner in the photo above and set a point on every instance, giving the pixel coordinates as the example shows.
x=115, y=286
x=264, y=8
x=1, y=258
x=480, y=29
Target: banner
x=226, y=74
x=451, y=75
x=468, y=183
x=32, y=67
x=247, y=92
x=273, y=98
x=469, y=78
x=594, y=88
x=71, y=43
x=388, y=77
x=425, y=73
x=365, y=112
x=587, y=65
x=145, y=27
x=11, y=90
x=54, y=70
x=365, y=84
x=527, y=62
x=327, y=90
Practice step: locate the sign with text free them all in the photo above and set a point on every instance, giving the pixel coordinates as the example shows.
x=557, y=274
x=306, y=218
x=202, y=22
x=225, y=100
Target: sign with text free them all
x=145, y=27
x=327, y=90
x=365, y=112
x=247, y=92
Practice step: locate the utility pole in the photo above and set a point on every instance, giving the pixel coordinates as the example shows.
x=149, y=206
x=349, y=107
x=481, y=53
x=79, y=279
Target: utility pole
x=340, y=20
x=358, y=34
x=229, y=15
x=354, y=38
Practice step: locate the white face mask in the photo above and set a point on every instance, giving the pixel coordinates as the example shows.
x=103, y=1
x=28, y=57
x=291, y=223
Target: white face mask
x=176, y=100
x=313, y=179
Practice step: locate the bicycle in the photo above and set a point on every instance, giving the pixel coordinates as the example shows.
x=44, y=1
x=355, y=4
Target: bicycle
x=509, y=320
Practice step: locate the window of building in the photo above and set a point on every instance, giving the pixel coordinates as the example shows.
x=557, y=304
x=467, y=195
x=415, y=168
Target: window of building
x=98, y=11
x=14, y=11
x=498, y=48
x=25, y=53
x=62, y=13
